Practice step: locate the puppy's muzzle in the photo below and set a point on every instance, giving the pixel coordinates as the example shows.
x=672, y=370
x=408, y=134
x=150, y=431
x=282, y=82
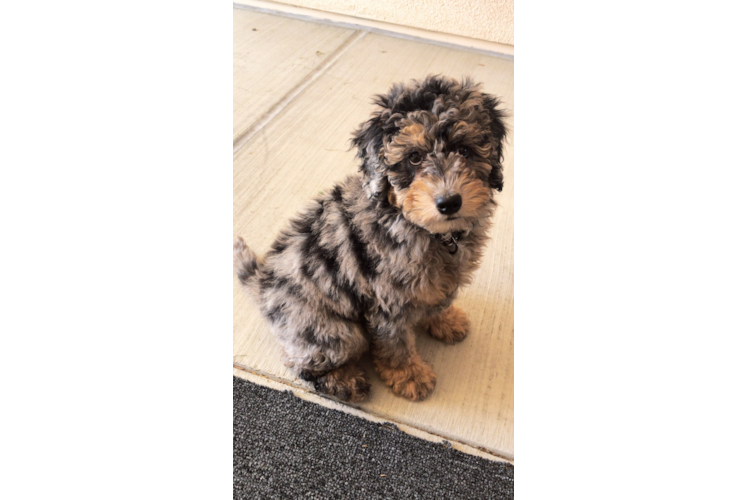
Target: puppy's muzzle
x=449, y=204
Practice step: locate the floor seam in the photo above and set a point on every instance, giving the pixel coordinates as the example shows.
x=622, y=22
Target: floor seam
x=296, y=91
x=463, y=446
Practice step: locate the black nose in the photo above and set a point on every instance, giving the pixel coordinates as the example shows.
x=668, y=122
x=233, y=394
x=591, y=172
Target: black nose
x=449, y=204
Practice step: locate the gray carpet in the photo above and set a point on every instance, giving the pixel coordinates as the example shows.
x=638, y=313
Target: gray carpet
x=288, y=448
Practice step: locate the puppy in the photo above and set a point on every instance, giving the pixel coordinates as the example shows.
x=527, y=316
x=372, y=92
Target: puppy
x=386, y=250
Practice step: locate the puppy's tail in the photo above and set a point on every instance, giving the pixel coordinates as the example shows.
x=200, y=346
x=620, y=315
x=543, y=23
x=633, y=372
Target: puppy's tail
x=246, y=264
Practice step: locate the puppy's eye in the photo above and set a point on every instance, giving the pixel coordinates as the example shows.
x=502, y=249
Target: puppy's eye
x=463, y=151
x=415, y=158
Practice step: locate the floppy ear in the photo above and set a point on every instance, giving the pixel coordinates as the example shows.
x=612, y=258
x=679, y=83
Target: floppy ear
x=368, y=138
x=498, y=134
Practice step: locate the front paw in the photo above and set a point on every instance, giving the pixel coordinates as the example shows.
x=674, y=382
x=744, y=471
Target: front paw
x=415, y=381
x=451, y=326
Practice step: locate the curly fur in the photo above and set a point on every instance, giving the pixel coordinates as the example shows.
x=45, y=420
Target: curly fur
x=360, y=267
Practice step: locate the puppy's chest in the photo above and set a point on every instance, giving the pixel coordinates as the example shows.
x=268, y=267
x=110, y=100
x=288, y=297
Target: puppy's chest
x=437, y=274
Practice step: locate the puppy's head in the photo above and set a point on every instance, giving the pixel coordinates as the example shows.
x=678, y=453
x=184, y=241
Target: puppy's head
x=433, y=149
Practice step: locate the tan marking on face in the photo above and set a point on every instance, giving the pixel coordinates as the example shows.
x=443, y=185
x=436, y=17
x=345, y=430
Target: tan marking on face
x=481, y=167
x=418, y=201
x=463, y=130
x=392, y=198
x=483, y=151
x=474, y=194
x=470, y=135
x=412, y=137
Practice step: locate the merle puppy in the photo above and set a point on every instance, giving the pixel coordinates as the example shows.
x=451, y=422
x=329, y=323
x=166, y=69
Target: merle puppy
x=386, y=250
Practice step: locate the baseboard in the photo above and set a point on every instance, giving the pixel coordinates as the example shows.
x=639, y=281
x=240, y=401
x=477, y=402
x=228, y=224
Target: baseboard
x=396, y=30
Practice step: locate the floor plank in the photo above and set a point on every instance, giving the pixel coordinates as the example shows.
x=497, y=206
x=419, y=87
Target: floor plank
x=271, y=55
x=303, y=151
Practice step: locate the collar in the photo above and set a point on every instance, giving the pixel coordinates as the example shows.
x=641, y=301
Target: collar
x=450, y=240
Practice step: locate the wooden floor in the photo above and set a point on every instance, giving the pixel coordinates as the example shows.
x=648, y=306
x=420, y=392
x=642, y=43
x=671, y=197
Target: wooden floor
x=300, y=88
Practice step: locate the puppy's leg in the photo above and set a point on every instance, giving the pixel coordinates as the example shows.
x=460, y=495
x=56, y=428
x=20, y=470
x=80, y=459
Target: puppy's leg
x=326, y=355
x=451, y=325
x=347, y=383
x=399, y=364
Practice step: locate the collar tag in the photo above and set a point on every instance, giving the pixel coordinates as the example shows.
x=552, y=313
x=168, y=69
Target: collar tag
x=450, y=240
